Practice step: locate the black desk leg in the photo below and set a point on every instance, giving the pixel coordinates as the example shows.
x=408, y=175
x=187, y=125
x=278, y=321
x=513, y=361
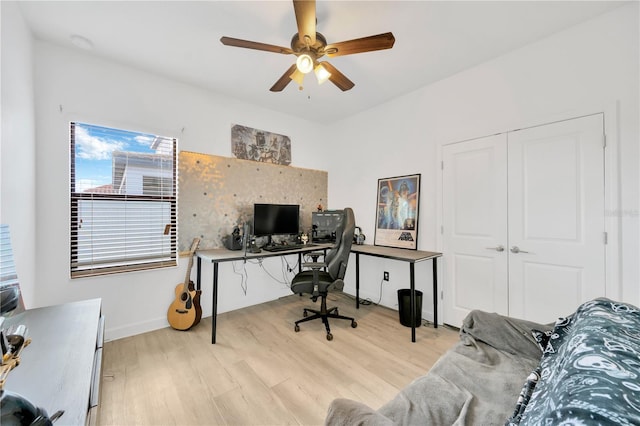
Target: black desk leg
x=435, y=292
x=214, y=303
x=412, y=300
x=357, y=280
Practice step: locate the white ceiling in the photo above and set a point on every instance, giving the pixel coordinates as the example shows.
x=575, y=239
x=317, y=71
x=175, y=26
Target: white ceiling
x=180, y=40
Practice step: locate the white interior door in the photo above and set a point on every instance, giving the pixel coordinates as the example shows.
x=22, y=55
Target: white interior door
x=556, y=218
x=475, y=227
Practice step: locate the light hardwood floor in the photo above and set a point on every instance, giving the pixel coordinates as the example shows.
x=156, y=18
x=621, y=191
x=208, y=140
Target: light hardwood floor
x=261, y=372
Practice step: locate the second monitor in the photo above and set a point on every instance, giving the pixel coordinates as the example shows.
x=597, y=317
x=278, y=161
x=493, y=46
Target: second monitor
x=325, y=224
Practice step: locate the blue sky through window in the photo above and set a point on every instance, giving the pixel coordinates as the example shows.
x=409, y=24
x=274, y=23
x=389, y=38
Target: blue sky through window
x=94, y=146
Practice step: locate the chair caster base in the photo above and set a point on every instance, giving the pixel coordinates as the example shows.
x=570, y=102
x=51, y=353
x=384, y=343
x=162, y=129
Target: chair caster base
x=324, y=314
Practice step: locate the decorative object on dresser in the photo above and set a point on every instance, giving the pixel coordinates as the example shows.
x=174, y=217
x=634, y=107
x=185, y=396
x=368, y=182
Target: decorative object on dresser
x=15, y=409
x=185, y=311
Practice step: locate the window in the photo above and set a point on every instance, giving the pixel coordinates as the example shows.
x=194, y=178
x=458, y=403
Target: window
x=123, y=200
x=9, y=285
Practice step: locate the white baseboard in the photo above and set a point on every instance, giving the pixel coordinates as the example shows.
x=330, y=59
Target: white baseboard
x=134, y=329
x=158, y=323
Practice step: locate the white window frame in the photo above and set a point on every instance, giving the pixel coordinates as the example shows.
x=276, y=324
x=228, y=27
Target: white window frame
x=113, y=231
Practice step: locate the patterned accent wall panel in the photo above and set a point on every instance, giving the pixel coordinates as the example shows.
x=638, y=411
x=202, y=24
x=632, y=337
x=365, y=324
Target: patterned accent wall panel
x=217, y=193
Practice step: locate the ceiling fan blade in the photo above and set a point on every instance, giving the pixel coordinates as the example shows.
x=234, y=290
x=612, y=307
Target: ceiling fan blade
x=236, y=42
x=284, y=80
x=306, y=18
x=360, y=45
x=337, y=77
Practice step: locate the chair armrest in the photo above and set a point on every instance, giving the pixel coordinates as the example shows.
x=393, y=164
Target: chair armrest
x=315, y=255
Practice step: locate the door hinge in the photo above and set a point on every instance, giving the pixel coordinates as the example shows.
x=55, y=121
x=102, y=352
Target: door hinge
x=441, y=295
x=442, y=165
x=606, y=237
x=604, y=141
x=441, y=229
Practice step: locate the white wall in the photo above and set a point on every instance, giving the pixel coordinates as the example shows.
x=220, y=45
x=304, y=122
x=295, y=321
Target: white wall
x=588, y=68
x=72, y=85
x=18, y=145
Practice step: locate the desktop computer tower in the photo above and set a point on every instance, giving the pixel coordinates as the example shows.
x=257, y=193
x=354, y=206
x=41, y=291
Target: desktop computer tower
x=324, y=225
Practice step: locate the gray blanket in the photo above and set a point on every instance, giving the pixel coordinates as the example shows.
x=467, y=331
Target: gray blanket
x=476, y=382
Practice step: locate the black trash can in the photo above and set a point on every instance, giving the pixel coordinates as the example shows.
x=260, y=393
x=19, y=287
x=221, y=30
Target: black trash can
x=404, y=307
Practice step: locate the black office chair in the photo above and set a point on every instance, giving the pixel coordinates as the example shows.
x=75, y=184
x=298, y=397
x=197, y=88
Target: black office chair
x=327, y=275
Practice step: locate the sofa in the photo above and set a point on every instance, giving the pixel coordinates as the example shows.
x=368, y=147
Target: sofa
x=584, y=369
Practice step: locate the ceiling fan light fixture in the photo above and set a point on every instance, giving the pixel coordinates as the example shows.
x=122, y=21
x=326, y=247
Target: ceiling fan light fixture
x=304, y=63
x=307, y=44
x=321, y=73
x=297, y=76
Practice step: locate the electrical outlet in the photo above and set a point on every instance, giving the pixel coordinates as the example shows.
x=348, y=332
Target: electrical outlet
x=385, y=276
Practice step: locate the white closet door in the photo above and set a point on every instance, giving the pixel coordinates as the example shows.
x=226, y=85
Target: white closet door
x=475, y=227
x=556, y=218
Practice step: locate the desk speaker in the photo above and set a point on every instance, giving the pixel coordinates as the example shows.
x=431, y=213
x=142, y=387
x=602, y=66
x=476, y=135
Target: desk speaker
x=233, y=241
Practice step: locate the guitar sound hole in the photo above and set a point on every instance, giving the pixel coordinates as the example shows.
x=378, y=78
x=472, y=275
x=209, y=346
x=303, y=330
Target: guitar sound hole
x=184, y=297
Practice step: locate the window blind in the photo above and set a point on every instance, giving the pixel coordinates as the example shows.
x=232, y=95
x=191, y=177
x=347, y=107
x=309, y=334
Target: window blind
x=9, y=286
x=8, y=274
x=123, y=200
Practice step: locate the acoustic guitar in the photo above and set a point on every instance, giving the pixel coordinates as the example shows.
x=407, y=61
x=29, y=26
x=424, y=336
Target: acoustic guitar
x=185, y=311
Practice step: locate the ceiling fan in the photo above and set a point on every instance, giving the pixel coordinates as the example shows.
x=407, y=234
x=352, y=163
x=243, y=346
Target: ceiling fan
x=309, y=46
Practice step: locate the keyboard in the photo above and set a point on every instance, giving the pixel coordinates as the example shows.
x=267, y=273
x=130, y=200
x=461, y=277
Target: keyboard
x=285, y=247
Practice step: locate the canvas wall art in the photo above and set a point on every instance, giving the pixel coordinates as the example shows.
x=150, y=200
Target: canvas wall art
x=259, y=145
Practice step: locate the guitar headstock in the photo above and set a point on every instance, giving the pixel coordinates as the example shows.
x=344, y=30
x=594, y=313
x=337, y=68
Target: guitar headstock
x=194, y=245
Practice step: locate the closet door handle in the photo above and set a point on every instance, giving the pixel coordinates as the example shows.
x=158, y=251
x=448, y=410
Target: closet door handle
x=499, y=248
x=516, y=249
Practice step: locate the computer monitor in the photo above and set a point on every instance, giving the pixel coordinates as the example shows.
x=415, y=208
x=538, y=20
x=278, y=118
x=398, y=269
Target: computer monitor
x=275, y=219
x=325, y=224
